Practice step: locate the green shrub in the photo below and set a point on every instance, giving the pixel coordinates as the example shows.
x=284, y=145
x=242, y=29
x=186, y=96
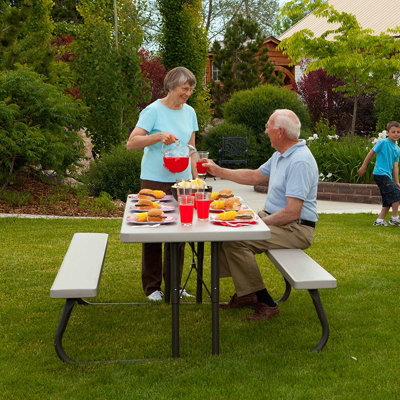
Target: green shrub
x=253, y=107
x=212, y=142
x=386, y=109
x=33, y=120
x=13, y=198
x=338, y=161
x=116, y=173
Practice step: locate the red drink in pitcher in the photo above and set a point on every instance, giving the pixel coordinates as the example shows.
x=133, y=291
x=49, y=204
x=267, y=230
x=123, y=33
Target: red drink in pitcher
x=176, y=164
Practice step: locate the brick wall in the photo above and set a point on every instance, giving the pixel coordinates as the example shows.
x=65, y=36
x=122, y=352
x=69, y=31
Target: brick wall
x=351, y=192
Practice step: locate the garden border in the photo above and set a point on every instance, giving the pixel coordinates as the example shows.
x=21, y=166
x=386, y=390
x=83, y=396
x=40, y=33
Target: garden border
x=334, y=191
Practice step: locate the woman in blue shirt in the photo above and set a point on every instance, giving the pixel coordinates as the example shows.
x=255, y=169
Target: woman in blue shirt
x=164, y=121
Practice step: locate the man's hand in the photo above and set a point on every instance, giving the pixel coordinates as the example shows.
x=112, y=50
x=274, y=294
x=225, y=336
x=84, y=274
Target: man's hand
x=212, y=168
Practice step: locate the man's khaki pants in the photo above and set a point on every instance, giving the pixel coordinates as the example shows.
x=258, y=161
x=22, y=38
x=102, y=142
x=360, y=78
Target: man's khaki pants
x=237, y=259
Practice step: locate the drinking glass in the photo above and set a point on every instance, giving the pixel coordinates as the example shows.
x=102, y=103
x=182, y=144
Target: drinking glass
x=184, y=190
x=203, y=202
x=186, y=206
x=201, y=171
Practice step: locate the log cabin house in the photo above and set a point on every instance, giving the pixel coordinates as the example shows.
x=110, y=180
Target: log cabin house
x=280, y=61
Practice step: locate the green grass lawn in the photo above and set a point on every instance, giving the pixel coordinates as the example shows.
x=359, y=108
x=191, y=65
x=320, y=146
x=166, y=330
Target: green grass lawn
x=266, y=360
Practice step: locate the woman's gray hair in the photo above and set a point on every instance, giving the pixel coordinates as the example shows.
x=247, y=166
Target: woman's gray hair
x=178, y=76
x=289, y=121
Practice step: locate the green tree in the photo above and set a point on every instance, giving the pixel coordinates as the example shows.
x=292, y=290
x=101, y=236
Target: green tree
x=65, y=11
x=108, y=70
x=184, y=43
x=219, y=14
x=33, y=120
x=366, y=63
x=25, y=35
x=242, y=60
x=292, y=12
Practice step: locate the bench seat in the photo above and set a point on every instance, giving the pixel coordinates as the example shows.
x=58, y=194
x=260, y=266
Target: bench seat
x=80, y=271
x=78, y=276
x=301, y=272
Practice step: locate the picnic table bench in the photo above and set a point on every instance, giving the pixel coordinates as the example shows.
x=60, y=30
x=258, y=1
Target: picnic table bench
x=301, y=272
x=78, y=277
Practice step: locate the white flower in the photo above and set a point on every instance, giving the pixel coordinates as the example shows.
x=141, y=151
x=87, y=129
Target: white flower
x=330, y=137
x=381, y=135
x=329, y=175
x=315, y=136
x=310, y=139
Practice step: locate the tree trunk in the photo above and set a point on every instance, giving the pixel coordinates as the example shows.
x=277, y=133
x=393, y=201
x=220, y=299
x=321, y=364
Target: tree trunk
x=209, y=15
x=116, y=24
x=353, y=120
x=246, y=3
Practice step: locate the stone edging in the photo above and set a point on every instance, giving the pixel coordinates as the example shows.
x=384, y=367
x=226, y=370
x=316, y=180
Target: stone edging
x=350, y=192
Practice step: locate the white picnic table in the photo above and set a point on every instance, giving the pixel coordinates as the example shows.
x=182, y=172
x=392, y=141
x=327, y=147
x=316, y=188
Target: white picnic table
x=200, y=231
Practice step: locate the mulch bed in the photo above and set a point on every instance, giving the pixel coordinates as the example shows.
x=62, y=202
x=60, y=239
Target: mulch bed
x=46, y=202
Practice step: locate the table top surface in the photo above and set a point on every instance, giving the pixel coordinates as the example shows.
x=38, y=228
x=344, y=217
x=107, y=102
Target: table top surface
x=199, y=231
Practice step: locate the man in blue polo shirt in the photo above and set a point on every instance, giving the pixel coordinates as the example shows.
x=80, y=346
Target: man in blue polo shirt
x=290, y=211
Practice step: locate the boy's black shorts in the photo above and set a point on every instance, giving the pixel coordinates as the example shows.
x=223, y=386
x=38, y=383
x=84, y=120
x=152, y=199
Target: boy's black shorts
x=390, y=192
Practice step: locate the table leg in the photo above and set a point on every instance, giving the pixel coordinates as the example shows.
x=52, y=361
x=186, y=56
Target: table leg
x=215, y=247
x=174, y=248
x=167, y=273
x=199, y=282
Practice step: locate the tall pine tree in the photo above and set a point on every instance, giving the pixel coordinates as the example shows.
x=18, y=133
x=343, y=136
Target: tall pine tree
x=184, y=43
x=242, y=60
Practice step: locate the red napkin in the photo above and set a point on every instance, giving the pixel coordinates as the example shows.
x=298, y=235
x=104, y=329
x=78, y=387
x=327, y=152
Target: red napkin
x=234, y=224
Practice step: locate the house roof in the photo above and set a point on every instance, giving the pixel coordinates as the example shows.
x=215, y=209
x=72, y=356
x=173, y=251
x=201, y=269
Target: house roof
x=371, y=14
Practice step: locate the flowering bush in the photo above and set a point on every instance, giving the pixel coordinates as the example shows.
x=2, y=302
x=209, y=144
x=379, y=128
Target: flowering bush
x=337, y=160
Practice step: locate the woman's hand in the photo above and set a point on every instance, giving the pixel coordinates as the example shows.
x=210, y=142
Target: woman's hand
x=167, y=138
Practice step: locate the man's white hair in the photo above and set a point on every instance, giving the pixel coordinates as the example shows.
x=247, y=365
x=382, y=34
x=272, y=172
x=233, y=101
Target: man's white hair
x=289, y=121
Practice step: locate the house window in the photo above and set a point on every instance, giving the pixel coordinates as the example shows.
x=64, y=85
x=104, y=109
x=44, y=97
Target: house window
x=215, y=72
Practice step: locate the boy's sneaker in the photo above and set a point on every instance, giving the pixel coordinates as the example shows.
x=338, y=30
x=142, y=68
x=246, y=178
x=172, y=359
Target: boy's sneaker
x=394, y=221
x=380, y=223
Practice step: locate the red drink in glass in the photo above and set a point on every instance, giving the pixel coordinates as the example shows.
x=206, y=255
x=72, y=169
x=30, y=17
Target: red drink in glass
x=200, y=169
x=176, y=164
x=186, y=213
x=186, y=205
x=203, y=208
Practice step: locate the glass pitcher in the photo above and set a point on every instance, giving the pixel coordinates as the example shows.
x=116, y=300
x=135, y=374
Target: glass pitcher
x=176, y=156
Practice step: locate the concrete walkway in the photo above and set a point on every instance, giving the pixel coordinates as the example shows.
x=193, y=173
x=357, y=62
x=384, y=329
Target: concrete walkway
x=256, y=200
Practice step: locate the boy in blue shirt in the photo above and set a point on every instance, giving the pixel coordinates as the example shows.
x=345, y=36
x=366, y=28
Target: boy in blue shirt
x=387, y=160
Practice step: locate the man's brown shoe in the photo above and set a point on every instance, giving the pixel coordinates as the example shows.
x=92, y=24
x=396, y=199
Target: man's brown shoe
x=263, y=311
x=242, y=301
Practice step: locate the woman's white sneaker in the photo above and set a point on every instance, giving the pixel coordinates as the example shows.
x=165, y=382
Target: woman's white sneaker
x=184, y=293
x=156, y=295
